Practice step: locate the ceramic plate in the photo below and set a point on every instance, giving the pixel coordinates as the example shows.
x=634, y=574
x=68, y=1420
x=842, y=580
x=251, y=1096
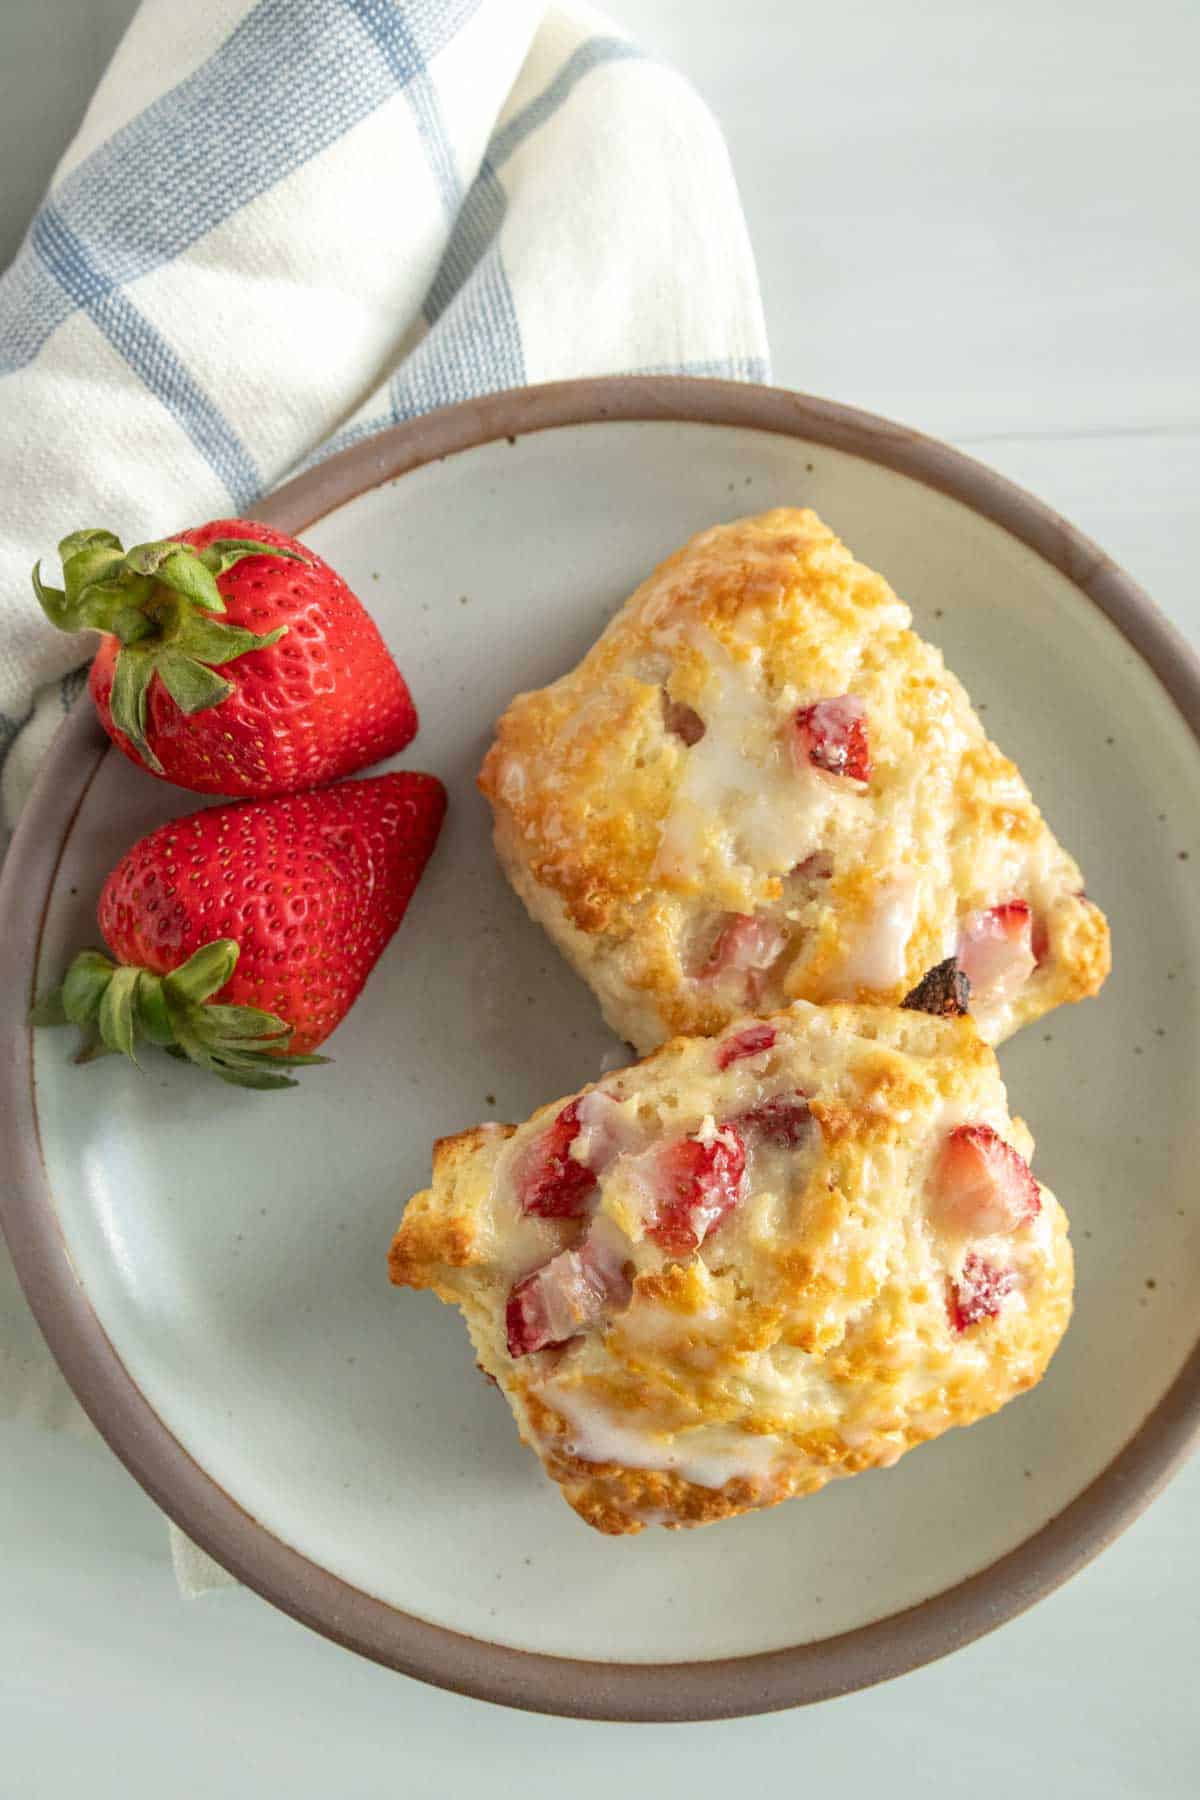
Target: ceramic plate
x=209, y=1265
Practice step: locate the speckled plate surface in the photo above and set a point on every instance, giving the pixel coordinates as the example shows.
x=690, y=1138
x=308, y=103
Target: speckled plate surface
x=209, y=1265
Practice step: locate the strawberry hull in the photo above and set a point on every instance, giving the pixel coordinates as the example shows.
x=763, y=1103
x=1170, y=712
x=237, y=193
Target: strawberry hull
x=322, y=698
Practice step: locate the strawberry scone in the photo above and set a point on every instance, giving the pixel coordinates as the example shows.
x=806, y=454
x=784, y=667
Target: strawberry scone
x=760, y=785
x=750, y=1263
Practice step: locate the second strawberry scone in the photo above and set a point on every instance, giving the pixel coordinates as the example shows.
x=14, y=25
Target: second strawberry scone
x=760, y=785
x=752, y=1263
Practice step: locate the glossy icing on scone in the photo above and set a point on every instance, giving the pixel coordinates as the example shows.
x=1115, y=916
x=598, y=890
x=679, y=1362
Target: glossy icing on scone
x=759, y=785
x=752, y=1263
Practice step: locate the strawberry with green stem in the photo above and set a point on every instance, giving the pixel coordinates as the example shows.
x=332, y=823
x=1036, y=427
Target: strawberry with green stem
x=240, y=936
x=232, y=659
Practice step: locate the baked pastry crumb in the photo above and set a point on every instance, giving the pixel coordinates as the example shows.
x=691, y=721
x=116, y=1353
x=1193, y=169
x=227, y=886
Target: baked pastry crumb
x=761, y=785
x=749, y=1264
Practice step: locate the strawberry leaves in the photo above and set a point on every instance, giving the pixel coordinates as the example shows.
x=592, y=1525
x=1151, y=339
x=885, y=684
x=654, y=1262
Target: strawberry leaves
x=222, y=553
x=131, y=699
x=185, y=664
x=159, y=599
x=116, y=1004
x=115, y=1013
x=192, y=685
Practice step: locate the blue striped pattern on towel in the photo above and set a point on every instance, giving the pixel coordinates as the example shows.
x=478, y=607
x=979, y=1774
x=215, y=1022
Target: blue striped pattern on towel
x=289, y=83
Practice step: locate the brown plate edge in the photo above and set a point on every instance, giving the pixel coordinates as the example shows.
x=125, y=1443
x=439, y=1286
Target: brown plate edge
x=721, y=1688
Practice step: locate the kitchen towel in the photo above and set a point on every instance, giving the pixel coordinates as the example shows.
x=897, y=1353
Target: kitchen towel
x=285, y=225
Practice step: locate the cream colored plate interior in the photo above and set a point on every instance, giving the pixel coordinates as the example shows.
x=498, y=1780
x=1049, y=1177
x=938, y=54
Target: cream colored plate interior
x=234, y=1244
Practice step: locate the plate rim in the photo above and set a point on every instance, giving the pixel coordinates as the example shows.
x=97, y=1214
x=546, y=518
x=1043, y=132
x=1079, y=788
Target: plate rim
x=535, y=1681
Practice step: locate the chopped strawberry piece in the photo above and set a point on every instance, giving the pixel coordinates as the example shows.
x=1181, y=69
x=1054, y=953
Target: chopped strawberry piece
x=1040, y=941
x=832, y=735
x=746, y=943
x=698, y=1184
x=816, y=866
x=752, y=1041
x=978, y=1292
x=681, y=720
x=550, y=1182
x=995, y=950
x=784, y=1120
x=574, y=1291
x=526, y=1317
x=981, y=1185
x=606, y=1131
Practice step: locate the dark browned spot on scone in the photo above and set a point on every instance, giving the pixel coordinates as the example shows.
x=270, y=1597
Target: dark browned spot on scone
x=944, y=991
x=682, y=720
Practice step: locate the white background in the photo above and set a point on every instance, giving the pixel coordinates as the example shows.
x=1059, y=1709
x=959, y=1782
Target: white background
x=979, y=219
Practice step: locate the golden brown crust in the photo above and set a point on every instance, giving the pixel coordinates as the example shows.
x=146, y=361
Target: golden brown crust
x=810, y=1336
x=627, y=843
x=440, y=1224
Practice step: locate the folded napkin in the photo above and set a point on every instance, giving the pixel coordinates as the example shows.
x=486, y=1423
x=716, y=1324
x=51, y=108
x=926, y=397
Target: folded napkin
x=285, y=225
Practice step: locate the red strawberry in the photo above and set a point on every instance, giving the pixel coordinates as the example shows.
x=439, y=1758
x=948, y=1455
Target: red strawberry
x=784, y=1120
x=232, y=660
x=978, y=1292
x=573, y=1291
x=550, y=1182
x=243, y=934
x=981, y=1185
x=746, y=942
x=832, y=735
x=752, y=1040
x=698, y=1184
x=995, y=950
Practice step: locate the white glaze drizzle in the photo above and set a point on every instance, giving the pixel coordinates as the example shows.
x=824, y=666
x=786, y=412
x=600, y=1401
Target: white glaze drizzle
x=709, y=1456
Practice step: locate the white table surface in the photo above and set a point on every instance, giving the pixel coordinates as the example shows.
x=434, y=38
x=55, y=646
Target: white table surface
x=979, y=219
